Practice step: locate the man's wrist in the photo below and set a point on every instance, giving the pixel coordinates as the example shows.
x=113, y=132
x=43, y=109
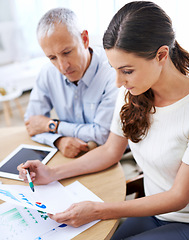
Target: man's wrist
x=56, y=142
x=53, y=125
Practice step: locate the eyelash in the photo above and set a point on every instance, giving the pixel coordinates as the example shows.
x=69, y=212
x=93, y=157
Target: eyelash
x=65, y=53
x=53, y=58
x=127, y=72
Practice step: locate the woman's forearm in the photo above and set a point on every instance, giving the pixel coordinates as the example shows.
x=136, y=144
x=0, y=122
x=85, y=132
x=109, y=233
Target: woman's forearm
x=93, y=161
x=147, y=206
x=96, y=160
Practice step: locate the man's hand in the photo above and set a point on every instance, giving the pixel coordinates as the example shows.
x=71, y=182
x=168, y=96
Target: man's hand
x=70, y=147
x=37, y=124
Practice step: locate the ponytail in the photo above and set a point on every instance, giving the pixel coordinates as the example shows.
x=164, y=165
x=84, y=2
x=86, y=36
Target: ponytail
x=180, y=58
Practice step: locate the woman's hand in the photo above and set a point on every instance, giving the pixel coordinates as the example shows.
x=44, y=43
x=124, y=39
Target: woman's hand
x=78, y=214
x=39, y=173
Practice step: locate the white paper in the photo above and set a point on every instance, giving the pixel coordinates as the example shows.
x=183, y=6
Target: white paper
x=50, y=198
x=23, y=222
x=80, y=193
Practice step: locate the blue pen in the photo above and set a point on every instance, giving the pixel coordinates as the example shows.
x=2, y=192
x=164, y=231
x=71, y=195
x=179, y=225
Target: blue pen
x=29, y=180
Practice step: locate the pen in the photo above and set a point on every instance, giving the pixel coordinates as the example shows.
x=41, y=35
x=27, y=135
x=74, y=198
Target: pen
x=29, y=180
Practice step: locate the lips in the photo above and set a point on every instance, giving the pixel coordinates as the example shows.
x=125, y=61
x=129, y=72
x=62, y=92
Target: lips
x=68, y=73
x=129, y=88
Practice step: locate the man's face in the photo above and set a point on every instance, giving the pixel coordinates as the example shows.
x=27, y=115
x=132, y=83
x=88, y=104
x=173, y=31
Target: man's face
x=68, y=53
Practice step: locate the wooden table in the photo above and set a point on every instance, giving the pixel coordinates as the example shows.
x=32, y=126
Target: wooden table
x=109, y=185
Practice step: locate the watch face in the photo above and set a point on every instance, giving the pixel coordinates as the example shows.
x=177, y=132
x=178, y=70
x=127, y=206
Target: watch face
x=52, y=126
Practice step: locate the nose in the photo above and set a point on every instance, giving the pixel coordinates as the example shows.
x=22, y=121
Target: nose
x=63, y=65
x=120, y=81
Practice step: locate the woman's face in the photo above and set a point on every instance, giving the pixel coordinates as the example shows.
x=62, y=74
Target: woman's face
x=135, y=73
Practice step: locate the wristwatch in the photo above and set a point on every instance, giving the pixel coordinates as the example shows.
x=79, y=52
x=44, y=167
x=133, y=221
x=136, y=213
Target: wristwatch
x=53, y=125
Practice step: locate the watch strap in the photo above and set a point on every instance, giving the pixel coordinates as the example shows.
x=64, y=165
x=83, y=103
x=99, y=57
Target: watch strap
x=57, y=122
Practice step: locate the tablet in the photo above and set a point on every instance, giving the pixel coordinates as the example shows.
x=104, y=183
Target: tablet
x=24, y=152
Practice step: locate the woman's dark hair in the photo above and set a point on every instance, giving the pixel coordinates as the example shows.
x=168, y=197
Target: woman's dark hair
x=142, y=27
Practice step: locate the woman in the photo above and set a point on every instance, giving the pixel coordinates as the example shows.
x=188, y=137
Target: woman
x=152, y=113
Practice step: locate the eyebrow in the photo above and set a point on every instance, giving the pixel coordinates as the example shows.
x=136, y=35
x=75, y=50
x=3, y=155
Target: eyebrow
x=65, y=49
x=49, y=56
x=128, y=66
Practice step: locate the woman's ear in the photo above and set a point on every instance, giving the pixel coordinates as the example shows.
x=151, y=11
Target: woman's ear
x=162, y=53
x=85, y=38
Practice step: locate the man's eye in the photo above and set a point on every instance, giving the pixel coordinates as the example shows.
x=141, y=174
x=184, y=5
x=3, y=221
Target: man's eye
x=52, y=58
x=66, y=53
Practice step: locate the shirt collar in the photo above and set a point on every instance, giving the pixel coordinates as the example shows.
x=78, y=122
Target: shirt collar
x=92, y=69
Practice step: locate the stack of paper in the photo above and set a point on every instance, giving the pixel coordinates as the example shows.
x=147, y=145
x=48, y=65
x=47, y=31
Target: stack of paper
x=23, y=216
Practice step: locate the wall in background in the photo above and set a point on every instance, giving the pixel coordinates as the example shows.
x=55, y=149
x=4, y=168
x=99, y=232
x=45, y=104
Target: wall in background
x=19, y=18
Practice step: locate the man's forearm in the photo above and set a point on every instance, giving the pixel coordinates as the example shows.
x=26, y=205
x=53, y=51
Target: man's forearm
x=86, y=132
x=46, y=138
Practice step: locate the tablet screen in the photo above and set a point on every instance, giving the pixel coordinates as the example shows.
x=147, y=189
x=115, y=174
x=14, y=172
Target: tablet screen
x=8, y=167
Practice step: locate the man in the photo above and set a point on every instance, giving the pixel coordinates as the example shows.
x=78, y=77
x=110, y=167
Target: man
x=78, y=83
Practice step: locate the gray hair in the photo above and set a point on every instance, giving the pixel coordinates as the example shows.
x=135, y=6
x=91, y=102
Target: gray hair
x=55, y=16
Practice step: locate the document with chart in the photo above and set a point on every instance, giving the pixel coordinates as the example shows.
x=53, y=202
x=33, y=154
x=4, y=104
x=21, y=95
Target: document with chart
x=20, y=222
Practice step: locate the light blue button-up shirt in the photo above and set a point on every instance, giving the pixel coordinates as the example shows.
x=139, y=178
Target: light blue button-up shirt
x=85, y=110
